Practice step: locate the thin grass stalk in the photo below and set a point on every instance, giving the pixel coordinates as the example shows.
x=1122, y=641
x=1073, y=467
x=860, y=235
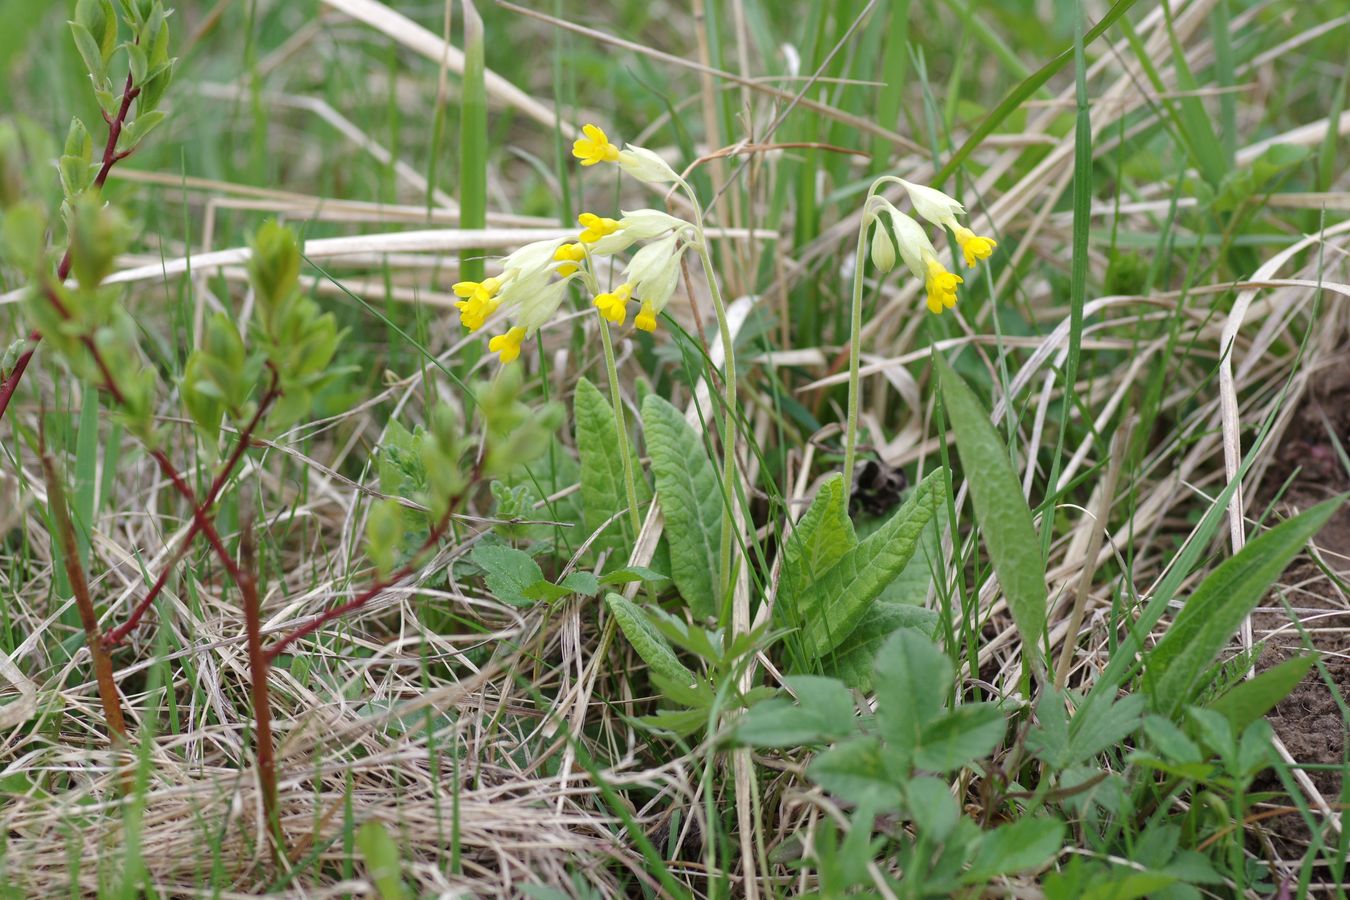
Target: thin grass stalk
x=258, y=668
x=473, y=149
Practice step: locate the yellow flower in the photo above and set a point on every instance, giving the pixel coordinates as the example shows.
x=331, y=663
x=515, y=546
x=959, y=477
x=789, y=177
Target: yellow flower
x=614, y=305
x=941, y=285
x=973, y=245
x=569, y=255
x=507, y=346
x=480, y=301
x=646, y=317
x=594, y=147
x=594, y=227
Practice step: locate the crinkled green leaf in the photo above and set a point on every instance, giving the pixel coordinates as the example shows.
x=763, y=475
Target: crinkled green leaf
x=834, y=605
x=649, y=643
x=1000, y=509
x=852, y=660
x=820, y=538
x=691, y=501
x=602, y=480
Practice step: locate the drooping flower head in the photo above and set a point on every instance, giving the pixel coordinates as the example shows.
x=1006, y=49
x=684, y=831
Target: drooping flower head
x=594, y=147
x=530, y=300
x=654, y=272
x=917, y=252
x=942, y=211
x=480, y=299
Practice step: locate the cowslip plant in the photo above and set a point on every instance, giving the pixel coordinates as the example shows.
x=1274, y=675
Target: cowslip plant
x=894, y=231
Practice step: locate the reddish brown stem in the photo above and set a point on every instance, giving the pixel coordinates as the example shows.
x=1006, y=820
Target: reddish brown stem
x=119, y=634
x=258, y=666
x=110, y=158
x=79, y=585
x=370, y=593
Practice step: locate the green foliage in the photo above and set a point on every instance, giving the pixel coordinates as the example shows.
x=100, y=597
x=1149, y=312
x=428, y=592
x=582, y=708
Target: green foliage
x=829, y=609
x=1001, y=510
x=691, y=500
x=509, y=572
x=1217, y=608
x=602, y=476
x=888, y=763
x=649, y=643
x=1248, y=701
x=383, y=862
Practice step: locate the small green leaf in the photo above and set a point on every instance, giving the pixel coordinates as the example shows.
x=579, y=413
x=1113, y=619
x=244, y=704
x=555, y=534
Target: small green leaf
x=1250, y=700
x=632, y=573
x=969, y=732
x=1001, y=510
x=383, y=866
x=1219, y=605
x=691, y=501
x=576, y=583
x=823, y=712
x=1017, y=847
x=649, y=643
x=912, y=680
x=853, y=770
x=1171, y=741
x=509, y=572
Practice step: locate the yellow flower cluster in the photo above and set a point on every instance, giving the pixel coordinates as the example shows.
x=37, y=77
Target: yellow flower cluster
x=527, y=290
x=908, y=237
x=652, y=274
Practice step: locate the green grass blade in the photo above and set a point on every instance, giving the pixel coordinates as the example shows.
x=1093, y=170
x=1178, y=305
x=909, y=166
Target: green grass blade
x=1024, y=90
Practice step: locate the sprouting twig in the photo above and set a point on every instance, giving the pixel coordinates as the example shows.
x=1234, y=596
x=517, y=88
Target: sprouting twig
x=110, y=158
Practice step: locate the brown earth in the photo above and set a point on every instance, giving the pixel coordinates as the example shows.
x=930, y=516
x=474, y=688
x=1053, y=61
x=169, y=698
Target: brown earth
x=1309, y=721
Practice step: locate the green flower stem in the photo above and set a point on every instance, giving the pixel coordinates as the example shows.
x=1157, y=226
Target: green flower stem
x=629, y=481
x=855, y=349
x=855, y=327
